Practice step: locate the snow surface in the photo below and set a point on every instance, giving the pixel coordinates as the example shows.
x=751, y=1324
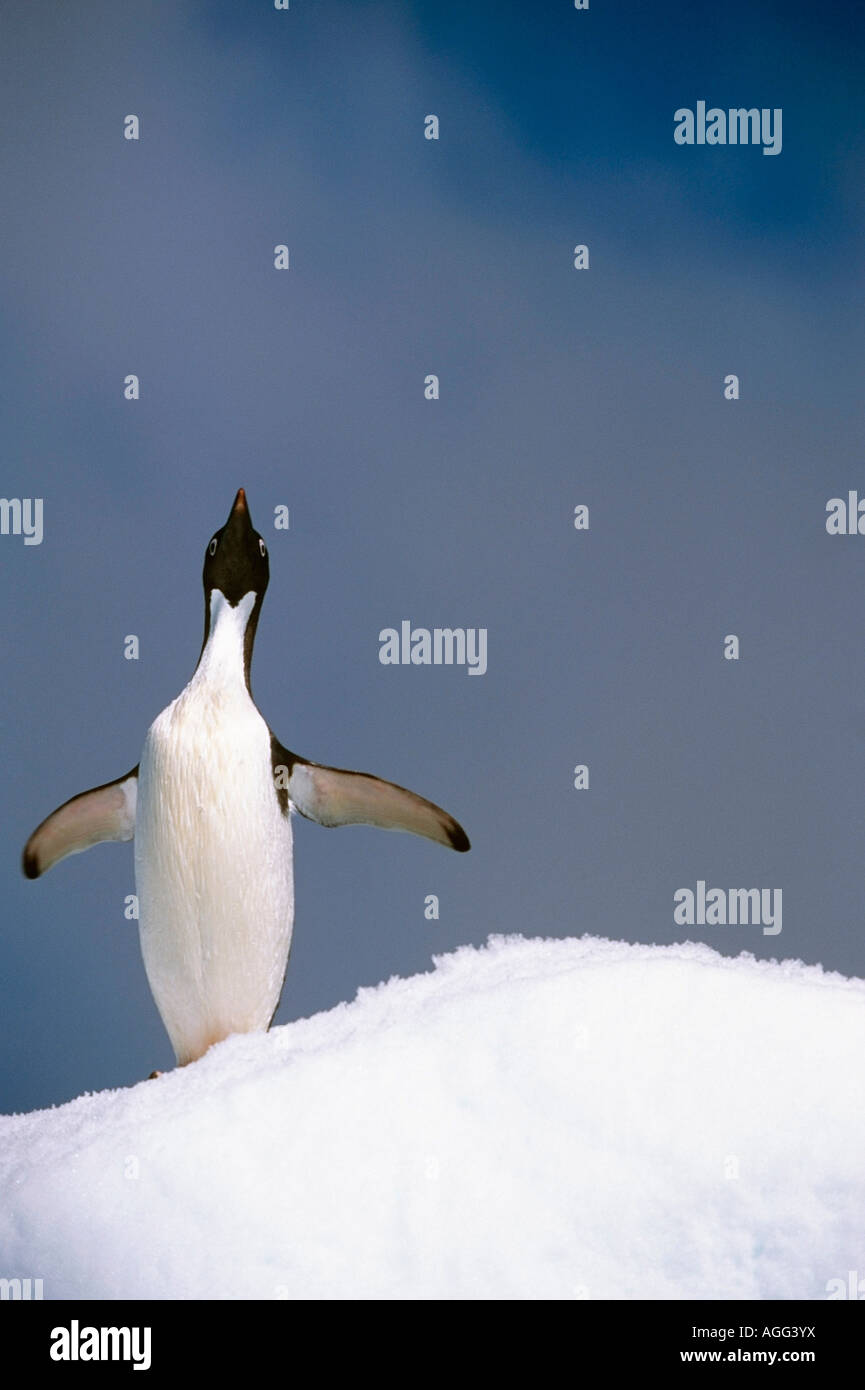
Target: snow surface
x=535, y=1119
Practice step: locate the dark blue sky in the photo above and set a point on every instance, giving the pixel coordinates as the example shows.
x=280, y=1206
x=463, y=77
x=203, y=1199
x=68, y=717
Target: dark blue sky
x=557, y=387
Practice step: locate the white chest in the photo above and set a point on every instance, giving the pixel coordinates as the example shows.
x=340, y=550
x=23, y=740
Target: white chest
x=212, y=857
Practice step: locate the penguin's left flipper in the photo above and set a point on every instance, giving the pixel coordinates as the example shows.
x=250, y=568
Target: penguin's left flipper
x=103, y=813
x=334, y=796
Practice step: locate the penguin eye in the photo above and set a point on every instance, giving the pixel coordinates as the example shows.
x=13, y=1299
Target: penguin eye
x=211, y=549
x=262, y=547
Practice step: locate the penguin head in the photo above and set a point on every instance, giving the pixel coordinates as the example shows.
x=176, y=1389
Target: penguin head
x=235, y=565
x=235, y=561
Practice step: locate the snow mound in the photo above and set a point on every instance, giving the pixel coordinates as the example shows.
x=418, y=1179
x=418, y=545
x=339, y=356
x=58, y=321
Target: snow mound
x=535, y=1119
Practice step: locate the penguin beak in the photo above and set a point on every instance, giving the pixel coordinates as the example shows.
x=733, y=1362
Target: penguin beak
x=239, y=519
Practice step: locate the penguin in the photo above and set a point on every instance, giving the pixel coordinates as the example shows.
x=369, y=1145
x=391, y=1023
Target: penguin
x=209, y=806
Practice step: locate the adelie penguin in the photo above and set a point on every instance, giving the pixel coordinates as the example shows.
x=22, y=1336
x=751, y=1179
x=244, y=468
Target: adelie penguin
x=209, y=806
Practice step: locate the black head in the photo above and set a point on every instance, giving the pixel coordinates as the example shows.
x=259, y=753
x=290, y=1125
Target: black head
x=236, y=563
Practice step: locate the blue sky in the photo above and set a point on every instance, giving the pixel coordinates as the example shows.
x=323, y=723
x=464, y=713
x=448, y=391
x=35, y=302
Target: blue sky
x=558, y=387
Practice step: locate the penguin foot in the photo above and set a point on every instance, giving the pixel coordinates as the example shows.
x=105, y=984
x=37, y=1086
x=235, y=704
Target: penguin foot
x=153, y=1075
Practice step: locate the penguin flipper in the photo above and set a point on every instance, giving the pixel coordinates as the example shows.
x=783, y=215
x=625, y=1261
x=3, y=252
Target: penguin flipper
x=334, y=796
x=103, y=813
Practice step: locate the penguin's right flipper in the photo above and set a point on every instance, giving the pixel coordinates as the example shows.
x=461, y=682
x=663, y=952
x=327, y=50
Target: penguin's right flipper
x=103, y=813
x=336, y=796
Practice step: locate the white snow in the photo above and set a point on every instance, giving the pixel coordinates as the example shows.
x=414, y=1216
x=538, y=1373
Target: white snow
x=536, y=1119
